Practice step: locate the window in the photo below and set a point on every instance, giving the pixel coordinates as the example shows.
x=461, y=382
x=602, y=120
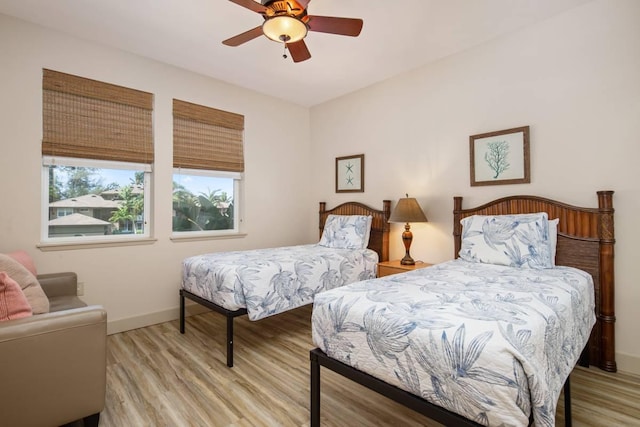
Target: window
x=204, y=201
x=90, y=198
x=60, y=212
x=208, y=163
x=97, y=153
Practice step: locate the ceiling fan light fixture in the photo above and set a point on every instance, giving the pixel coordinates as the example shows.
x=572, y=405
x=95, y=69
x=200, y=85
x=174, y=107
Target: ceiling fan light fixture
x=284, y=29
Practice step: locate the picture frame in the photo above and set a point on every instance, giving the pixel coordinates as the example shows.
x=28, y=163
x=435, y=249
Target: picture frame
x=500, y=157
x=350, y=174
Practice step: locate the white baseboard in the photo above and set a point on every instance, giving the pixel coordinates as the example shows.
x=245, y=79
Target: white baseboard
x=628, y=363
x=135, y=322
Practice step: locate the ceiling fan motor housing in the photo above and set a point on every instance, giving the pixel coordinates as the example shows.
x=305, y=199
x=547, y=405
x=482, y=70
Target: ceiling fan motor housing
x=283, y=21
x=280, y=7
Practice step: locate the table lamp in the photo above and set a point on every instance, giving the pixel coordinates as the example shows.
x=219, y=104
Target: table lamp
x=407, y=210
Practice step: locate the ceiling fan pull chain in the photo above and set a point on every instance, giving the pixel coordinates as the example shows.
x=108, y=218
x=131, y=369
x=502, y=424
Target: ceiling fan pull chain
x=284, y=54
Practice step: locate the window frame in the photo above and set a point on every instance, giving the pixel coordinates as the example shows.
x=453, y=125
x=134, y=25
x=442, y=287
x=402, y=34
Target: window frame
x=48, y=161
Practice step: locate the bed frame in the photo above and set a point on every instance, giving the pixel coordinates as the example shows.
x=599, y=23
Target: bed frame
x=378, y=241
x=585, y=241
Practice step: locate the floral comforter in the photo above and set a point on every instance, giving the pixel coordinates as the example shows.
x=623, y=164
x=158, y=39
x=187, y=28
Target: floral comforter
x=270, y=281
x=494, y=344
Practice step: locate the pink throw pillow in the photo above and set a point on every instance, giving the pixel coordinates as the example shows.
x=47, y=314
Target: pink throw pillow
x=25, y=259
x=13, y=303
x=28, y=283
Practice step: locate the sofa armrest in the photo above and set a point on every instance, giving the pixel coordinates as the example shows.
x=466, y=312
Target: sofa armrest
x=59, y=284
x=53, y=366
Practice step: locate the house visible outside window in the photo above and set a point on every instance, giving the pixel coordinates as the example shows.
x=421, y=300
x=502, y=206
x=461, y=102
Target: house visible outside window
x=208, y=163
x=90, y=198
x=60, y=212
x=97, y=154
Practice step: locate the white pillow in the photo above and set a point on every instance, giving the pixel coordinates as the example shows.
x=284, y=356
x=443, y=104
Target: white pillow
x=346, y=231
x=553, y=238
x=515, y=240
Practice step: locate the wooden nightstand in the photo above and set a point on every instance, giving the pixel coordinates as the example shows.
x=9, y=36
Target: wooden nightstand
x=394, y=267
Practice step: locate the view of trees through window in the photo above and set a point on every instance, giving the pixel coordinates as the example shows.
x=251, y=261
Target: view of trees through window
x=202, y=203
x=88, y=201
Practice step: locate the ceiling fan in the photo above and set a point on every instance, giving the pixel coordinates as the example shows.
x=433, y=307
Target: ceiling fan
x=287, y=22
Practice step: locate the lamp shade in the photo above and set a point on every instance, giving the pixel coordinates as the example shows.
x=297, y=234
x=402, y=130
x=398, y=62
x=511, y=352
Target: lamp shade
x=408, y=210
x=284, y=29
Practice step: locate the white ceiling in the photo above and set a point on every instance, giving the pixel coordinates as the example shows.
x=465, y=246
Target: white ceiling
x=397, y=36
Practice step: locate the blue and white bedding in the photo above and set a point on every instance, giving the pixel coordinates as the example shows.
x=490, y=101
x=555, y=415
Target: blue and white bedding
x=492, y=343
x=270, y=281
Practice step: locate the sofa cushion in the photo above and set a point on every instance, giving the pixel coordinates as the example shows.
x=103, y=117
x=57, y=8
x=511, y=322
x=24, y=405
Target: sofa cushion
x=28, y=283
x=13, y=302
x=66, y=302
x=25, y=259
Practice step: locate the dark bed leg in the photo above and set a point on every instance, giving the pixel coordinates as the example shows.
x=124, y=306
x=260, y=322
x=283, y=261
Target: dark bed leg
x=584, y=357
x=218, y=309
x=315, y=391
x=91, y=420
x=181, y=313
x=230, y=341
x=567, y=403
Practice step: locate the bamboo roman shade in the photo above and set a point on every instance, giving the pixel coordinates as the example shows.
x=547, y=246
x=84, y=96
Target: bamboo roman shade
x=89, y=119
x=207, y=138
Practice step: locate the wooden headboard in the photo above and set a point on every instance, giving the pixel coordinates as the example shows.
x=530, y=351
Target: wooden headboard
x=585, y=241
x=379, y=239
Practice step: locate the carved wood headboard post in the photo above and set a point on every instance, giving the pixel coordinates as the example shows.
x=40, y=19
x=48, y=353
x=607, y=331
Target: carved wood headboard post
x=386, y=227
x=322, y=218
x=457, y=227
x=607, y=309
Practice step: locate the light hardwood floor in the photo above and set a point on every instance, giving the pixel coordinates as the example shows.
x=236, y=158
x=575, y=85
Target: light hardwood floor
x=158, y=377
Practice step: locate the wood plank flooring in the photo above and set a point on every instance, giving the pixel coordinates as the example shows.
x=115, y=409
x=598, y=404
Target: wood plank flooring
x=158, y=377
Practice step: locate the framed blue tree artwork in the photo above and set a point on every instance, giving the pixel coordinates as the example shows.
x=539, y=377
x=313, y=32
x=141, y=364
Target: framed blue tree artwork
x=500, y=157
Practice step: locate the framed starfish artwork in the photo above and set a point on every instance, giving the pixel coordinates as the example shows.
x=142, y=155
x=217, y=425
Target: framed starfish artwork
x=350, y=174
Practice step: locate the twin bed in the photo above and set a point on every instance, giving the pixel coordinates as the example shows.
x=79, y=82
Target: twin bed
x=265, y=282
x=473, y=341
x=477, y=341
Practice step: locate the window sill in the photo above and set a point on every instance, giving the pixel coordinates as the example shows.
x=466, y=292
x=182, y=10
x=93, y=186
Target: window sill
x=67, y=246
x=197, y=237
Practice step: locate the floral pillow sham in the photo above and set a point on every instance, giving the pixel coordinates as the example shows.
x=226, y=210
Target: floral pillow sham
x=521, y=241
x=346, y=231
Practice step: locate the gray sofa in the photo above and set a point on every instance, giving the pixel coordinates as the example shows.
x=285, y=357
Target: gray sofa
x=53, y=365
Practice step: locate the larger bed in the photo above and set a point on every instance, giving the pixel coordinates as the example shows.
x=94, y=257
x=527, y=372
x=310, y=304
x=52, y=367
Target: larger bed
x=265, y=282
x=476, y=341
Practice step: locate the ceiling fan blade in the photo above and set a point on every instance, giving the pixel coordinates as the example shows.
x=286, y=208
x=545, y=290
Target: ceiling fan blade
x=331, y=24
x=299, y=51
x=244, y=37
x=251, y=5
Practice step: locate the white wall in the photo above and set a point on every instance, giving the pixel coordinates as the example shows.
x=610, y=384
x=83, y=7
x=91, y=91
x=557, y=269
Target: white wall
x=574, y=79
x=139, y=285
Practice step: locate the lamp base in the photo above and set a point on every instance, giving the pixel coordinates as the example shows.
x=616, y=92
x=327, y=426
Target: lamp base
x=407, y=260
x=407, y=237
